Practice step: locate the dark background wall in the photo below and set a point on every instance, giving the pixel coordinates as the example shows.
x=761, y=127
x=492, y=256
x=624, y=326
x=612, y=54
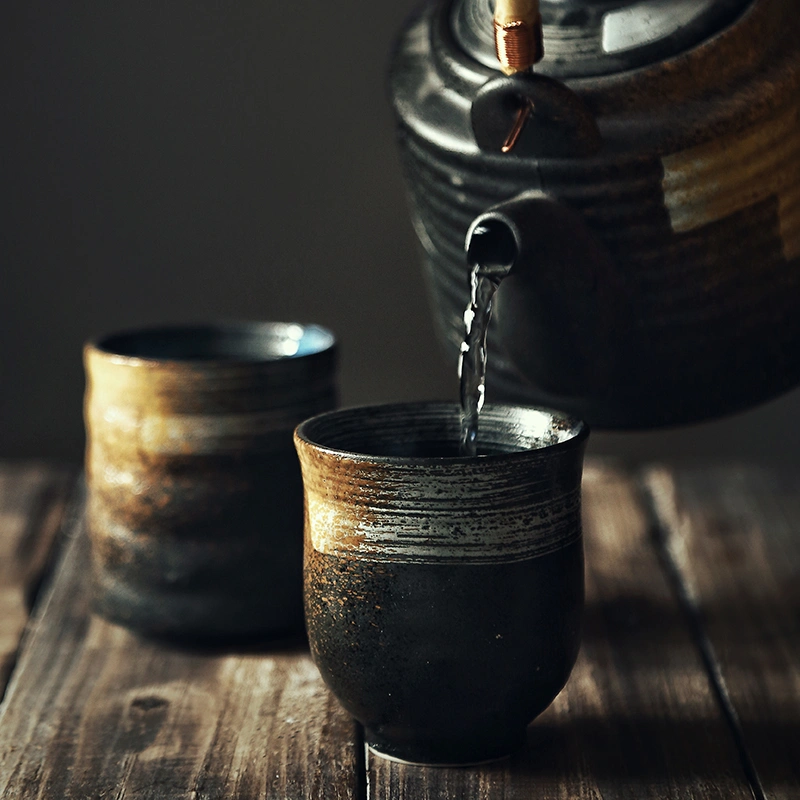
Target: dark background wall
x=200, y=160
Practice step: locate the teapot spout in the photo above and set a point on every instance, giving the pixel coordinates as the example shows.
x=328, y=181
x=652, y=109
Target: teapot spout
x=555, y=310
x=493, y=244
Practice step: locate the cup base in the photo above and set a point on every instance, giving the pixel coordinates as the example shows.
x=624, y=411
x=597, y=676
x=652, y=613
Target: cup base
x=446, y=754
x=405, y=761
x=192, y=618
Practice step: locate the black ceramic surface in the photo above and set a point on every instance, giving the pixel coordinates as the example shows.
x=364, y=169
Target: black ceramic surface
x=677, y=292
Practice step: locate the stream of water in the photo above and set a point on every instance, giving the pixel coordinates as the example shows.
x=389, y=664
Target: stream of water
x=472, y=359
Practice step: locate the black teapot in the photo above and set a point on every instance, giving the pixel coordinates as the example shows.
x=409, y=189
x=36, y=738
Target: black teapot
x=641, y=186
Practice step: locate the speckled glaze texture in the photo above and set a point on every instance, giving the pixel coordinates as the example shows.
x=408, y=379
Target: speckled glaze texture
x=443, y=595
x=195, y=494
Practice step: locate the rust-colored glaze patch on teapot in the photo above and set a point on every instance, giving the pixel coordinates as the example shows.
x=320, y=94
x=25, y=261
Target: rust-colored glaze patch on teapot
x=715, y=180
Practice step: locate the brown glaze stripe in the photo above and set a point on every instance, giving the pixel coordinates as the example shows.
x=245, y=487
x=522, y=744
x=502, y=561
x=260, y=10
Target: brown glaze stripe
x=431, y=525
x=718, y=178
x=200, y=433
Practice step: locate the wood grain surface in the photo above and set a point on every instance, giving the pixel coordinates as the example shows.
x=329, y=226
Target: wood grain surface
x=638, y=718
x=33, y=500
x=94, y=712
x=733, y=536
x=687, y=686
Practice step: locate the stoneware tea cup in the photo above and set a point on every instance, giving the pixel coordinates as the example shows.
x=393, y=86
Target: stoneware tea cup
x=195, y=509
x=443, y=594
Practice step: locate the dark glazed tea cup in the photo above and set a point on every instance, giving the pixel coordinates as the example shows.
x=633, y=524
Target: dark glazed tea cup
x=195, y=508
x=443, y=595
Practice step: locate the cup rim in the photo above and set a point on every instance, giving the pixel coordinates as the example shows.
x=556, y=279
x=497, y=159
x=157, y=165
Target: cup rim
x=104, y=344
x=301, y=434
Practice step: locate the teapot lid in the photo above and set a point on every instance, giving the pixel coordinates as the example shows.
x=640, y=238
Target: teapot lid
x=585, y=38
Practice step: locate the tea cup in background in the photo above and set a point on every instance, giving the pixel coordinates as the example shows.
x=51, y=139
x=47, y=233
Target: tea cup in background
x=443, y=594
x=194, y=492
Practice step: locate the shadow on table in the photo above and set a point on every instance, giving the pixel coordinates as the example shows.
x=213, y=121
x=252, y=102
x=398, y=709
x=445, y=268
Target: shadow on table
x=286, y=643
x=640, y=749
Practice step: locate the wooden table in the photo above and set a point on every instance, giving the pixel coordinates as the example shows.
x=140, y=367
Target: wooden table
x=687, y=686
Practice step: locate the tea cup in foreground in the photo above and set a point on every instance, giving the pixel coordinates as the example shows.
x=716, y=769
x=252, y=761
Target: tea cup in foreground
x=443, y=594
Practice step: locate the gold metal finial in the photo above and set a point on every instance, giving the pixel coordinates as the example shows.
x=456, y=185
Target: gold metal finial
x=518, y=34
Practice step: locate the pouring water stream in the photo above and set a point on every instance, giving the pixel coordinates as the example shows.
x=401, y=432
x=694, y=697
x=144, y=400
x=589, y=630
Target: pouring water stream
x=489, y=254
x=472, y=359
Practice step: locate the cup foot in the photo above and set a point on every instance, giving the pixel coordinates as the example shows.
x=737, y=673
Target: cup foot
x=397, y=760
x=463, y=753
x=191, y=617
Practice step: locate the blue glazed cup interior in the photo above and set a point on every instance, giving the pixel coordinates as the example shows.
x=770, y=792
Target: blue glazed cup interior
x=242, y=342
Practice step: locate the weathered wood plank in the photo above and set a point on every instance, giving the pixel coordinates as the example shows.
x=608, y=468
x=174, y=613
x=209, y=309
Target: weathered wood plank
x=92, y=711
x=733, y=535
x=638, y=718
x=33, y=499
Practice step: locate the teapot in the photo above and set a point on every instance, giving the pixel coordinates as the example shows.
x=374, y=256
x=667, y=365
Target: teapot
x=640, y=188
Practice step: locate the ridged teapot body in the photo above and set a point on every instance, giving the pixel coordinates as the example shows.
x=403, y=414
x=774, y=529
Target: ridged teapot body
x=679, y=299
